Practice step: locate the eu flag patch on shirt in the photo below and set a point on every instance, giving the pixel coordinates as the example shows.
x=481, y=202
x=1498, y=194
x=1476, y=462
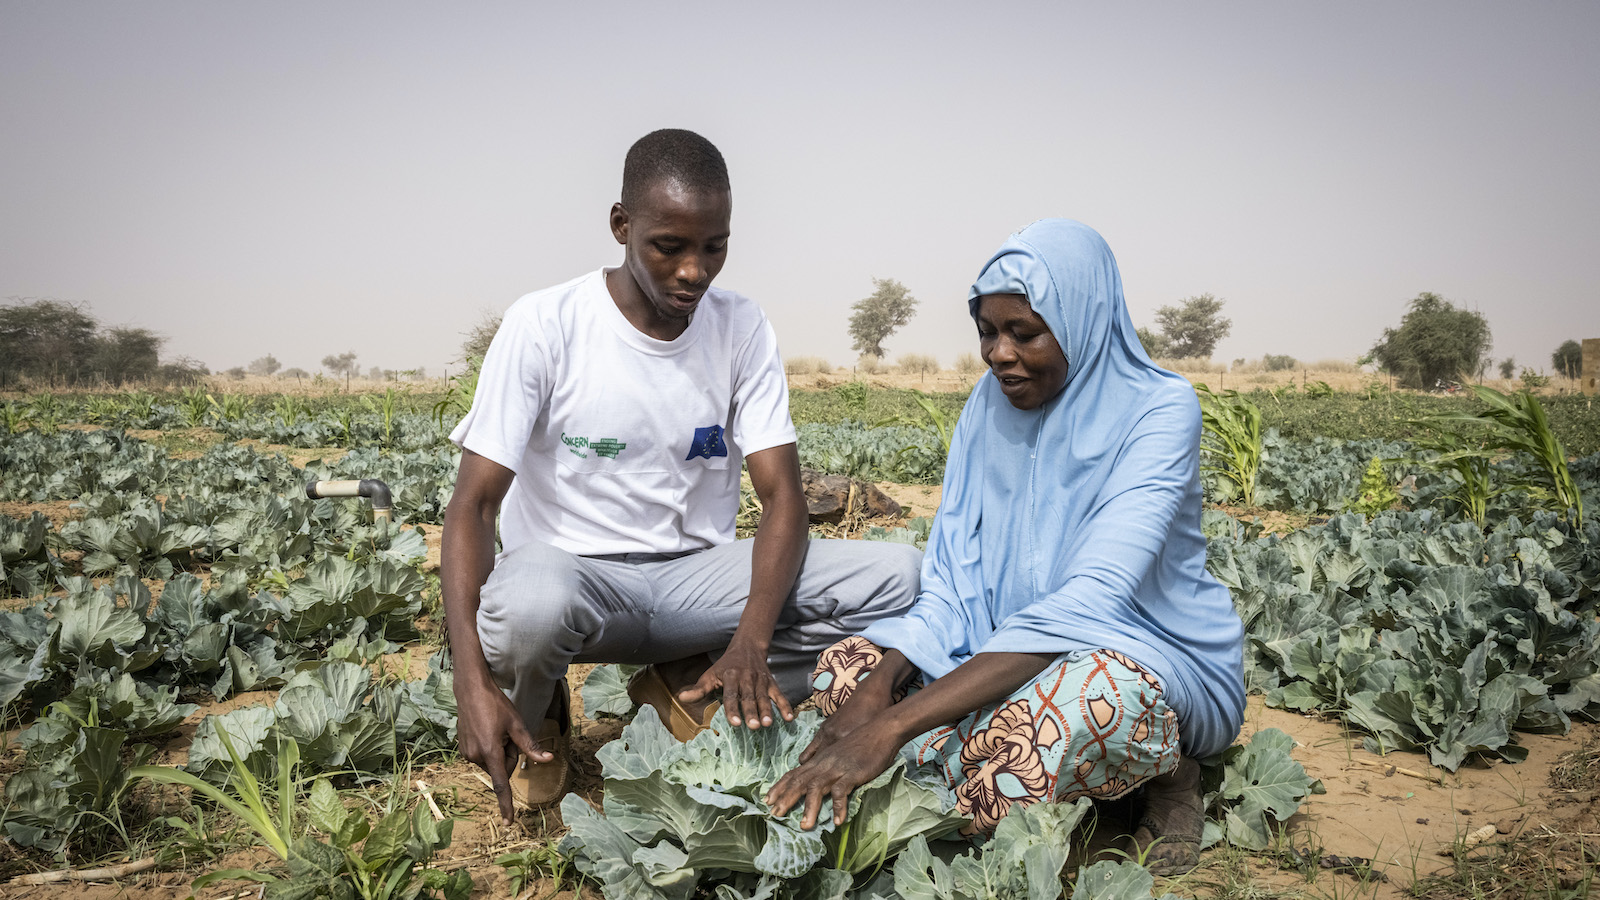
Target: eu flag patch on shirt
x=707, y=443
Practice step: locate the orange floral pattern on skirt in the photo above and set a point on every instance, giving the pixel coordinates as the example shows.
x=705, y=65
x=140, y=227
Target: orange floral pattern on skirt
x=1092, y=725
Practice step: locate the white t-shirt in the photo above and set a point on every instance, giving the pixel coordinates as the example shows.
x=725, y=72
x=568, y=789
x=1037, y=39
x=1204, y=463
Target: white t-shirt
x=622, y=443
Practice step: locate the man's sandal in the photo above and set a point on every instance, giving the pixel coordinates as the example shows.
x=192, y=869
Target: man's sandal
x=648, y=687
x=535, y=784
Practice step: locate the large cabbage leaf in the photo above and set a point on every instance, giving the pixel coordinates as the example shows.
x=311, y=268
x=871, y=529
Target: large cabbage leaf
x=681, y=817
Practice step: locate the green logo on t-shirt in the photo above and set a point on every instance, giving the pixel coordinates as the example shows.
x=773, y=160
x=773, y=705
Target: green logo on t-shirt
x=606, y=447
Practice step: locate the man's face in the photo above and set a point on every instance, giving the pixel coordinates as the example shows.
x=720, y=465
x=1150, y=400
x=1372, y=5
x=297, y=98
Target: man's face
x=1020, y=350
x=677, y=242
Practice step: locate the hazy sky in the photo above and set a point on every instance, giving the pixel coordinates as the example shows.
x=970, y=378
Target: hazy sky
x=308, y=178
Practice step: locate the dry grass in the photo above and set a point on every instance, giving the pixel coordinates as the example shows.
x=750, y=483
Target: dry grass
x=1578, y=770
x=314, y=387
x=806, y=365
x=1198, y=364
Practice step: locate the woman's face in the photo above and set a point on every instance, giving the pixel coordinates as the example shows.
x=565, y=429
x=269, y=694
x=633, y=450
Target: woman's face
x=1020, y=350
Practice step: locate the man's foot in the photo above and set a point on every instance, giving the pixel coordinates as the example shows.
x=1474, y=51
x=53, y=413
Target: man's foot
x=682, y=674
x=1169, y=832
x=651, y=686
x=535, y=784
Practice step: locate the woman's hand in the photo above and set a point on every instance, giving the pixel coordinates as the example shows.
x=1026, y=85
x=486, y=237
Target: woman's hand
x=864, y=706
x=835, y=770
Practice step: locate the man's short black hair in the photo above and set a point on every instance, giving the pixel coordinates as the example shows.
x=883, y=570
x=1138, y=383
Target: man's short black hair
x=676, y=154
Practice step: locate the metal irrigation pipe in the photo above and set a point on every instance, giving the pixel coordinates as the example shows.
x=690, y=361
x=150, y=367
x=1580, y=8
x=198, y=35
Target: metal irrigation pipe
x=371, y=488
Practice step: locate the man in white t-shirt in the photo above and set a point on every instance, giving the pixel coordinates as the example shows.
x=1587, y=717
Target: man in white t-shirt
x=611, y=418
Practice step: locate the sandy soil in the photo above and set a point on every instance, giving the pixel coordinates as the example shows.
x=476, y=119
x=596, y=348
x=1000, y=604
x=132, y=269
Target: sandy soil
x=1397, y=812
x=59, y=512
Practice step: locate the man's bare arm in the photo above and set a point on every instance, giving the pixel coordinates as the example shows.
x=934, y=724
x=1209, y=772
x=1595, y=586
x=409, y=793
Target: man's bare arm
x=780, y=546
x=489, y=730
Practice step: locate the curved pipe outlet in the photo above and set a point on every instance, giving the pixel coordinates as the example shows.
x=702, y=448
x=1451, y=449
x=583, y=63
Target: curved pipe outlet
x=371, y=488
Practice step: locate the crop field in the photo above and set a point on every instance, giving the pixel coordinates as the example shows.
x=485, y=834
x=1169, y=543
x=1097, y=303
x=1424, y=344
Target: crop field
x=215, y=686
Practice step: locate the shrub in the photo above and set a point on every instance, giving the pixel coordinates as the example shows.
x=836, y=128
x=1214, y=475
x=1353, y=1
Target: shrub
x=969, y=363
x=918, y=363
x=1435, y=342
x=869, y=364
x=1278, y=363
x=182, y=372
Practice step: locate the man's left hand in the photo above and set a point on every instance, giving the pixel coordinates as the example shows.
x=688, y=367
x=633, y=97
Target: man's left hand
x=748, y=688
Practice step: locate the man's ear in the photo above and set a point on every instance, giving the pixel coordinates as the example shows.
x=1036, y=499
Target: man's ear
x=619, y=223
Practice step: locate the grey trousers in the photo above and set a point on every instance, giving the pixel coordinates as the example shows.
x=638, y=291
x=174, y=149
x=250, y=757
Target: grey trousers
x=544, y=608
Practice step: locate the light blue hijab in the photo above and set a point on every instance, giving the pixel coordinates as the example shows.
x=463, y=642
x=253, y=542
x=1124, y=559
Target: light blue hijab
x=1076, y=526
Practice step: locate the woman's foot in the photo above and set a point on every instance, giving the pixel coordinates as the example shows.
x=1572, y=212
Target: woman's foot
x=1168, y=836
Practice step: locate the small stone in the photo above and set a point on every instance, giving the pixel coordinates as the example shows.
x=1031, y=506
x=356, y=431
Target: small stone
x=1422, y=821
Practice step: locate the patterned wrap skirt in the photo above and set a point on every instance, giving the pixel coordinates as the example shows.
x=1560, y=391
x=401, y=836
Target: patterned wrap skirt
x=1093, y=724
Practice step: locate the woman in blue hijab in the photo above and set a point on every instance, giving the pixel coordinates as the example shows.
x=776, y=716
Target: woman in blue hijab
x=1066, y=625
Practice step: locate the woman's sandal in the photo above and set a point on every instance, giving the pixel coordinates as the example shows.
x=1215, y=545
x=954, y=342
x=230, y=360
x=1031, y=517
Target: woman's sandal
x=1168, y=836
x=535, y=784
x=648, y=687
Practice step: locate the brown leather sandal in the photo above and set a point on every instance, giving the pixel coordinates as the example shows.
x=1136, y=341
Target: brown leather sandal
x=535, y=784
x=648, y=687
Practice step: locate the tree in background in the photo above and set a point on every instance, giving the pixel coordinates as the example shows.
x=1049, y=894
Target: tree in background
x=479, y=337
x=342, y=364
x=1568, y=359
x=46, y=339
x=1508, y=367
x=1435, y=342
x=880, y=315
x=1193, y=328
x=1155, y=345
x=127, y=354
x=266, y=365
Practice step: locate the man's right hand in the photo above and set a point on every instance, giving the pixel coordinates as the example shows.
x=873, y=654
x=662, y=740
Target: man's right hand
x=491, y=734
x=488, y=729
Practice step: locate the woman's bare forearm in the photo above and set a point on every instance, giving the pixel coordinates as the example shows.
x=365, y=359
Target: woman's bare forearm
x=980, y=681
